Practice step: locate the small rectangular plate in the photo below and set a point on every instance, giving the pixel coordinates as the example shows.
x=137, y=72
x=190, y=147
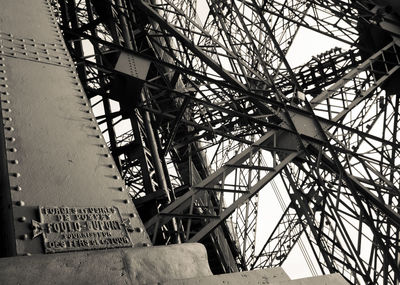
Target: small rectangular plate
x=82, y=228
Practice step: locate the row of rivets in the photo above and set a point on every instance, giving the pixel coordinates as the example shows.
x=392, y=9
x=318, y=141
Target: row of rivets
x=9, y=129
x=95, y=127
x=32, y=50
x=98, y=136
x=54, y=23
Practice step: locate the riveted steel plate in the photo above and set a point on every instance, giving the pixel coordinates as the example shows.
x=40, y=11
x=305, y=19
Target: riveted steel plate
x=32, y=19
x=81, y=228
x=56, y=153
x=133, y=65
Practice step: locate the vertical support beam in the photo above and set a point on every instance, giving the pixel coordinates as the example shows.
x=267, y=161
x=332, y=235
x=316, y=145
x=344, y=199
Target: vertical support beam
x=58, y=157
x=7, y=236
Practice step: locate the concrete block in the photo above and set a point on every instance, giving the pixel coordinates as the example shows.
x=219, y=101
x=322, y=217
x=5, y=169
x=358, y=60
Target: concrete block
x=149, y=265
x=262, y=276
x=331, y=279
x=271, y=276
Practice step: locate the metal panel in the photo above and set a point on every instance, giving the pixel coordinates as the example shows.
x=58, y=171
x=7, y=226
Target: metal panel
x=59, y=156
x=133, y=65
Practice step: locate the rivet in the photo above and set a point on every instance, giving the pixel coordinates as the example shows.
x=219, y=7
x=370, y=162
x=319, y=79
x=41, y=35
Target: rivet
x=146, y=244
x=20, y=203
x=106, y=155
x=27, y=254
x=103, y=146
x=132, y=215
x=98, y=136
x=22, y=219
x=9, y=129
x=16, y=174
x=87, y=111
x=111, y=166
x=8, y=119
x=121, y=188
x=126, y=201
x=14, y=161
x=139, y=230
x=24, y=237
x=17, y=188
x=11, y=139
x=13, y=149
x=94, y=128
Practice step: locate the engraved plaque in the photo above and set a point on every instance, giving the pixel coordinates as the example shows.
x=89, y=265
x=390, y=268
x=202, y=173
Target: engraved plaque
x=81, y=228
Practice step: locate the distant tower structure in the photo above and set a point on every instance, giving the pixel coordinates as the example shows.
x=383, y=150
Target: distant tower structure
x=202, y=110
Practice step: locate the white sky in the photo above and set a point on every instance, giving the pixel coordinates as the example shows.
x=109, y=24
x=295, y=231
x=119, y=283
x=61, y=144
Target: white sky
x=308, y=43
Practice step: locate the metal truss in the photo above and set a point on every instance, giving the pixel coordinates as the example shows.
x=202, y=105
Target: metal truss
x=202, y=111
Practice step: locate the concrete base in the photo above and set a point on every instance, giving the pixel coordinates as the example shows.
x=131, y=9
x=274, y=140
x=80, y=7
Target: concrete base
x=149, y=265
x=184, y=264
x=263, y=276
x=271, y=276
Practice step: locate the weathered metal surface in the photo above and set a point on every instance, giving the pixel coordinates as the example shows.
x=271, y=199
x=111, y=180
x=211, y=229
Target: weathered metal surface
x=148, y=265
x=81, y=228
x=55, y=151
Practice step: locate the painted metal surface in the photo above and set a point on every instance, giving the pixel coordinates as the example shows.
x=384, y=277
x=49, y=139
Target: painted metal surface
x=56, y=153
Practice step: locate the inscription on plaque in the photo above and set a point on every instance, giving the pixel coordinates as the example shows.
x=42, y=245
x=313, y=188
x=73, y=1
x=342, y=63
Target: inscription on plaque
x=81, y=228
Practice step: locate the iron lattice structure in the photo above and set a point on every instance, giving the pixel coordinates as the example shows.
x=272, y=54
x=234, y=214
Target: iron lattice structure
x=202, y=110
